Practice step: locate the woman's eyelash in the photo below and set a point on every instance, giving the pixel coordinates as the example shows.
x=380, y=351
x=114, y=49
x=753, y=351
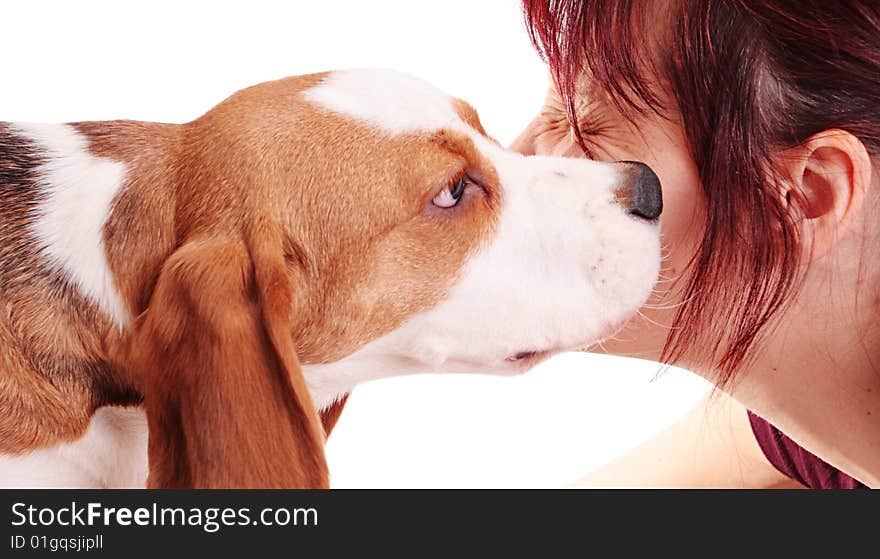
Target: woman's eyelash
x=586, y=133
x=591, y=124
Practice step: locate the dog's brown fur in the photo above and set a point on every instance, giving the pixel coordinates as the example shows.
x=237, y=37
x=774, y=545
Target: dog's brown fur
x=266, y=233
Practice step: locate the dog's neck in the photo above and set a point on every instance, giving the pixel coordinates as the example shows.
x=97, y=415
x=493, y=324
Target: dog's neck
x=86, y=219
x=141, y=228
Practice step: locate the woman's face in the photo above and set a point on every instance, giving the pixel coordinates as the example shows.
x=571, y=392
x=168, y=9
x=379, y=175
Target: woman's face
x=660, y=143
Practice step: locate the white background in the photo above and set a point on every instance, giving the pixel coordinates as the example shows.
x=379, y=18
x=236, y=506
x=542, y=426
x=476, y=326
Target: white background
x=171, y=61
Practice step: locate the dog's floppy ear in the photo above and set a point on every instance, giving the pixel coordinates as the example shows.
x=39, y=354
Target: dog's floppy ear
x=225, y=398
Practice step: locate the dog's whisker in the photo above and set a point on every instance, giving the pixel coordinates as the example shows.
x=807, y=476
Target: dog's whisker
x=654, y=322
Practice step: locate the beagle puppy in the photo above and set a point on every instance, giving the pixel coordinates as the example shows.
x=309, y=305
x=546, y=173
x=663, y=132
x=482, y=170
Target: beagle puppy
x=189, y=305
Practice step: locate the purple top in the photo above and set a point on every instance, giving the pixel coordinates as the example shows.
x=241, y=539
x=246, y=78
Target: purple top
x=798, y=463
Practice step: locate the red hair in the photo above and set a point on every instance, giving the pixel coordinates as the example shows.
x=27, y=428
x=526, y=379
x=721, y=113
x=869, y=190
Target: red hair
x=749, y=78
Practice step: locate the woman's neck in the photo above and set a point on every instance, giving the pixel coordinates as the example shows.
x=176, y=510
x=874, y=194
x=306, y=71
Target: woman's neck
x=818, y=381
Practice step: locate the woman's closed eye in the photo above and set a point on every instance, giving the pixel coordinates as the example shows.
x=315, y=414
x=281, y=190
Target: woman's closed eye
x=594, y=129
x=554, y=134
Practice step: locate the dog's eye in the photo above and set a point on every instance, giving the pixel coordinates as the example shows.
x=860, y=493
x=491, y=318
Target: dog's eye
x=451, y=195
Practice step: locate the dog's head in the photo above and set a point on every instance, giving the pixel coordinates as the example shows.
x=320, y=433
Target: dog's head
x=363, y=224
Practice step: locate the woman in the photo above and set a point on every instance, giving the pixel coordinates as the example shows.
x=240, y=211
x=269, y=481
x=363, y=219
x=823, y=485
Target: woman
x=762, y=119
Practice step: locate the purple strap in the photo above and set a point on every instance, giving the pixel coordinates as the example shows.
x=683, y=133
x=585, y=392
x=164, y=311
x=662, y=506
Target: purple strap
x=796, y=462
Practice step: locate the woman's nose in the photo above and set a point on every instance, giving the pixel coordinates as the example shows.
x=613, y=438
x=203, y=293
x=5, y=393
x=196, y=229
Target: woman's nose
x=641, y=194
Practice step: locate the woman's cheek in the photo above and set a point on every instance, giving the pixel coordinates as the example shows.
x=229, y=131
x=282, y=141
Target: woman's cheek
x=683, y=217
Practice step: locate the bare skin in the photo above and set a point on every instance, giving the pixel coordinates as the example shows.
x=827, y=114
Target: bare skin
x=814, y=377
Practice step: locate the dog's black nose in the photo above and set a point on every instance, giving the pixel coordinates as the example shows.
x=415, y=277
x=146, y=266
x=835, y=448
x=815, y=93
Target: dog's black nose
x=642, y=195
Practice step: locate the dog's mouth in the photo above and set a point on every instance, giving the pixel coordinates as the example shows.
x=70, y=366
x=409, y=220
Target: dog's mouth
x=528, y=357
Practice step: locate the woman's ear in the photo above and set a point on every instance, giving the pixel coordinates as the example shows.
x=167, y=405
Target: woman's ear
x=225, y=398
x=830, y=175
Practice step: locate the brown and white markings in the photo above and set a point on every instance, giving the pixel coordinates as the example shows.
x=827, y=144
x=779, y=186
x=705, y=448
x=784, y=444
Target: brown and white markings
x=236, y=276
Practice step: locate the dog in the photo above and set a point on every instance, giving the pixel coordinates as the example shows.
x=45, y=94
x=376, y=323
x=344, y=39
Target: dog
x=189, y=305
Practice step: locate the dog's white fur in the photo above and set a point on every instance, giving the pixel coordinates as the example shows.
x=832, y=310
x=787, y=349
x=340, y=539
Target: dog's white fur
x=565, y=267
x=78, y=190
x=111, y=454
